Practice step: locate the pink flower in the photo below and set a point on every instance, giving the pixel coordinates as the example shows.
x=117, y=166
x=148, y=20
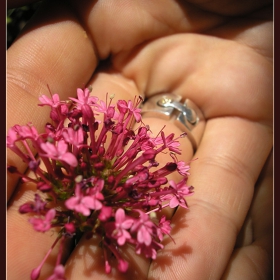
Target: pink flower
x=12, y=137
x=124, y=106
x=41, y=224
x=176, y=201
x=39, y=203
x=148, y=251
x=101, y=107
x=84, y=98
x=144, y=227
x=105, y=213
x=74, y=137
x=136, y=111
x=168, y=142
x=83, y=203
x=95, y=193
x=180, y=190
x=27, y=131
x=59, y=152
x=54, y=102
x=84, y=103
x=183, y=168
x=59, y=110
x=163, y=227
x=122, y=223
x=109, y=112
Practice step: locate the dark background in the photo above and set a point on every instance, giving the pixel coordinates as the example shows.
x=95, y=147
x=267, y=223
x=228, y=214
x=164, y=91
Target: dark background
x=17, y=18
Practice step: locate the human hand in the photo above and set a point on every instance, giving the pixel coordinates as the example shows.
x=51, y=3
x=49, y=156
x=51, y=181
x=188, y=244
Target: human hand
x=212, y=55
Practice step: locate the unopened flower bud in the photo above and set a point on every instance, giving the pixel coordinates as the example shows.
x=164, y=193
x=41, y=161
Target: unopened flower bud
x=12, y=169
x=35, y=273
x=26, y=208
x=99, y=166
x=42, y=186
x=70, y=228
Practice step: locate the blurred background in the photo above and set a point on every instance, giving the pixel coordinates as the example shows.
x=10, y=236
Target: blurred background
x=17, y=18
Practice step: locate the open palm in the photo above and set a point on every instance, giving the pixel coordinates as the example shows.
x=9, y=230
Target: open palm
x=220, y=56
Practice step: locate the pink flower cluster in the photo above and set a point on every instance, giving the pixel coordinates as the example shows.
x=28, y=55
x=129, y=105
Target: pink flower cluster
x=106, y=174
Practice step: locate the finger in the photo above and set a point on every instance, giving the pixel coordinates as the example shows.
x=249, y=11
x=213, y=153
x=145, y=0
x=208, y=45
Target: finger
x=223, y=176
x=45, y=55
x=209, y=85
x=252, y=257
x=133, y=22
x=233, y=93
x=214, y=85
x=212, y=74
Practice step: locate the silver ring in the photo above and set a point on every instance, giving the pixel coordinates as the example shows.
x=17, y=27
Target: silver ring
x=185, y=115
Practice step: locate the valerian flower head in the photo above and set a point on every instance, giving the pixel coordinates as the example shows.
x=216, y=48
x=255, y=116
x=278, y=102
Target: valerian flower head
x=104, y=172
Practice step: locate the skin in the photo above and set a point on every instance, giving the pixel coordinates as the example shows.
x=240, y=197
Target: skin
x=217, y=53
